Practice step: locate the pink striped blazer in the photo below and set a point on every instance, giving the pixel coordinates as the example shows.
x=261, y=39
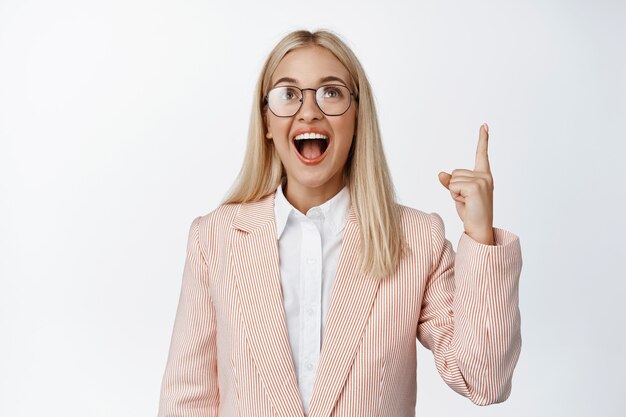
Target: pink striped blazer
x=230, y=356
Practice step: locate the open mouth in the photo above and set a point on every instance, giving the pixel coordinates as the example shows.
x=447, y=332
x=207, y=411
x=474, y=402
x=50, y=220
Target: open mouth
x=311, y=146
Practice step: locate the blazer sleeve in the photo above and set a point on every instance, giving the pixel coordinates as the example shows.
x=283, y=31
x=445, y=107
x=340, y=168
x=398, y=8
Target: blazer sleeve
x=470, y=317
x=190, y=386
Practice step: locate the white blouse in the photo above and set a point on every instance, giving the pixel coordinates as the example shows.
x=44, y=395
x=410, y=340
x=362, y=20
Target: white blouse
x=308, y=246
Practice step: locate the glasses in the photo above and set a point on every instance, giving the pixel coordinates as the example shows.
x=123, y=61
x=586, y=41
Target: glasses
x=332, y=99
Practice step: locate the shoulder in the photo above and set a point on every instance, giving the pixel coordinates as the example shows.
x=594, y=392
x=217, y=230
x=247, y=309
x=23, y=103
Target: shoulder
x=245, y=216
x=411, y=218
x=422, y=229
x=221, y=216
x=210, y=231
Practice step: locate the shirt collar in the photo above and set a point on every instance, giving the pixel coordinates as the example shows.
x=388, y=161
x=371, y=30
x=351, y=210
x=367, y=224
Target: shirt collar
x=282, y=209
x=335, y=210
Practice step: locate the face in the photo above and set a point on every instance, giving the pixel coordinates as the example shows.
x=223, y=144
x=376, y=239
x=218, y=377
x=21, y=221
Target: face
x=313, y=167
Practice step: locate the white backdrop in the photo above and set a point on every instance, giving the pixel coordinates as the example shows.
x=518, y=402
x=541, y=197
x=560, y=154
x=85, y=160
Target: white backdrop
x=120, y=121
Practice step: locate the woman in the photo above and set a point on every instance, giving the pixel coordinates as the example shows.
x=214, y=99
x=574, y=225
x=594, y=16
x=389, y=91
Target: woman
x=303, y=293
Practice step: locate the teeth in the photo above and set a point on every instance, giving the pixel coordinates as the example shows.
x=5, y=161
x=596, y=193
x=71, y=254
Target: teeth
x=310, y=136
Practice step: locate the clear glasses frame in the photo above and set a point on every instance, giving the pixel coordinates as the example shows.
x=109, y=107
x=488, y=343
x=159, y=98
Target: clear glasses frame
x=318, y=98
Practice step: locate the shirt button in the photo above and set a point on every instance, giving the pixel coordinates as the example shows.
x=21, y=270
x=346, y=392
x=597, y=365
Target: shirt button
x=310, y=261
x=309, y=366
x=310, y=311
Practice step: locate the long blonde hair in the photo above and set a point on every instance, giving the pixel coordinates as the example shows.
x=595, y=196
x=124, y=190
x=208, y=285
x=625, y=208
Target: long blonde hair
x=366, y=171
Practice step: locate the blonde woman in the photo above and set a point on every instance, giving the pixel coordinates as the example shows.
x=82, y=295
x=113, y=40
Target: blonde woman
x=304, y=293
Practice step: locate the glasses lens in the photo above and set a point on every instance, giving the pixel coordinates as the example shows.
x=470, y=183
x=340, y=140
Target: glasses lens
x=284, y=101
x=333, y=99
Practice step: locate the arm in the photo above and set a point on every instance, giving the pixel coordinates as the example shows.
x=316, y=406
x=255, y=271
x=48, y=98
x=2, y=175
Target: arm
x=190, y=386
x=470, y=319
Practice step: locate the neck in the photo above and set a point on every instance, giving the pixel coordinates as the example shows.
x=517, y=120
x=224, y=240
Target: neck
x=303, y=198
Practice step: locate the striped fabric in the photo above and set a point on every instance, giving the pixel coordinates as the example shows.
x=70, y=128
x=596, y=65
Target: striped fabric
x=230, y=355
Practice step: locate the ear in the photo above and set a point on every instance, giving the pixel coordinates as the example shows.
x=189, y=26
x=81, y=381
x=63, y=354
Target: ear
x=266, y=123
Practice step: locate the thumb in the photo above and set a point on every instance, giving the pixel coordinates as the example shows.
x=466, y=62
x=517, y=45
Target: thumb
x=444, y=179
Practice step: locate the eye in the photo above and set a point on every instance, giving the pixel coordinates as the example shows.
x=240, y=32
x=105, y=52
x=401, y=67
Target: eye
x=332, y=91
x=288, y=93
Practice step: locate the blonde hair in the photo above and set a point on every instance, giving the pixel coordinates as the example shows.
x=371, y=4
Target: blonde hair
x=366, y=171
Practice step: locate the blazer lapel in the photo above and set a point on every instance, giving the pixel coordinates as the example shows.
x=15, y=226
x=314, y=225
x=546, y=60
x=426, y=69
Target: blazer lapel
x=254, y=256
x=351, y=301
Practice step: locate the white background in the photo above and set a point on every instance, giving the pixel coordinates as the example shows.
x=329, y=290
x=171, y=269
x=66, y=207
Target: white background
x=121, y=121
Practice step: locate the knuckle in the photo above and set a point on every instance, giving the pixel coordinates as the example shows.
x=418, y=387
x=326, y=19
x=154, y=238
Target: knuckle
x=457, y=172
x=487, y=179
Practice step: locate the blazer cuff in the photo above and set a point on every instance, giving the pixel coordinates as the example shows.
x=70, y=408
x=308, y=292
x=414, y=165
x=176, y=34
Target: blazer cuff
x=504, y=259
x=502, y=238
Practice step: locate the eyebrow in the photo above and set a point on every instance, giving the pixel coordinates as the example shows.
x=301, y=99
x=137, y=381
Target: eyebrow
x=322, y=80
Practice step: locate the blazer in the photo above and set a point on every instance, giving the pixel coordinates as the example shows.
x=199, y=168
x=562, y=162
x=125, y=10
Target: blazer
x=230, y=356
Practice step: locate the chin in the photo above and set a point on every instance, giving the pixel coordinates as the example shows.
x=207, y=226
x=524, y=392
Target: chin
x=315, y=180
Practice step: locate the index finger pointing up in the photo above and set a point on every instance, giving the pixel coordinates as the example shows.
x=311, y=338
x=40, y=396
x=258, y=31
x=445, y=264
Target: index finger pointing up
x=482, y=159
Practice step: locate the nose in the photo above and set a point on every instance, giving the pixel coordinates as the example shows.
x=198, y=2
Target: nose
x=309, y=110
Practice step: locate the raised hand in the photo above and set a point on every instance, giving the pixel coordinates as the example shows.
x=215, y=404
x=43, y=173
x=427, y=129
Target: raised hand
x=472, y=192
